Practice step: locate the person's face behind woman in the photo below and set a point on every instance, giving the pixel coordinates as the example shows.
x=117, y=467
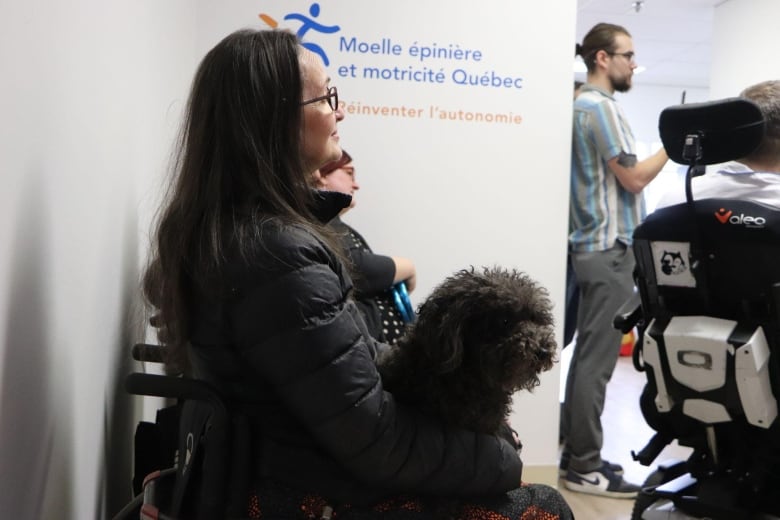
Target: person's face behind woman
x=320, y=138
x=342, y=179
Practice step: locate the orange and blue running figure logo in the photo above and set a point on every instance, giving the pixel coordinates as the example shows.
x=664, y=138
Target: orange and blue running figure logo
x=306, y=24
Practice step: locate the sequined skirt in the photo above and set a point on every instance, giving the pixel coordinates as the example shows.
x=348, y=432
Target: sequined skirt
x=269, y=501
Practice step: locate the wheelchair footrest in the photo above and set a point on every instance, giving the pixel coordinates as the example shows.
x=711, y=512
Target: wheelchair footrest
x=702, y=499
x=675, y=487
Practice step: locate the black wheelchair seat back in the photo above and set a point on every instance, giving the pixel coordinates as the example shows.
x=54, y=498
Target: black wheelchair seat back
x=719, y=257
x=708, y=277
x=710, y=289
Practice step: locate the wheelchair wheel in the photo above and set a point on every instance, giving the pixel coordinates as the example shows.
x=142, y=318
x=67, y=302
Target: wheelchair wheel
x=658, y=477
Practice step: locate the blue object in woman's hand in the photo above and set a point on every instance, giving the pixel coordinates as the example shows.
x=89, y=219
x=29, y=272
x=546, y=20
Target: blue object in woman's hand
x=402, y=302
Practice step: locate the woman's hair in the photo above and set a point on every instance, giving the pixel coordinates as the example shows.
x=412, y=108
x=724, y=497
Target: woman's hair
x=237, y=161
x=767, y=96
x=600, y=37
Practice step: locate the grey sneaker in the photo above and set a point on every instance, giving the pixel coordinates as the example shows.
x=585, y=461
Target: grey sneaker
x=603, y=482
x=563, y=467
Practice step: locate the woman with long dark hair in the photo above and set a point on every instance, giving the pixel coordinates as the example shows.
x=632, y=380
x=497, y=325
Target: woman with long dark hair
x=250, y=293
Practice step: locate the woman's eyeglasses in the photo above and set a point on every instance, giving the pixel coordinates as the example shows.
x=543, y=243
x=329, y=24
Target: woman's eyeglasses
x=332, y=96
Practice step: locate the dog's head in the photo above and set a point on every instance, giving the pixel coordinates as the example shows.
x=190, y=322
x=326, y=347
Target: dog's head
x=497, y=322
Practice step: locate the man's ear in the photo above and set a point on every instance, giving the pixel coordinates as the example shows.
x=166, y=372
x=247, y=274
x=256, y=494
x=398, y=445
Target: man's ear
x=601, y=58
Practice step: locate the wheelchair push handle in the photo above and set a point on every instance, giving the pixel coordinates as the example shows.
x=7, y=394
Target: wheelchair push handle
x=149, y=353
x=175, y=388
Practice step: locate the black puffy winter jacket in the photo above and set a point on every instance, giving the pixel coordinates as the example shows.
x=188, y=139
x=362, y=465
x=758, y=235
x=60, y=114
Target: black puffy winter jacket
x=285, y=342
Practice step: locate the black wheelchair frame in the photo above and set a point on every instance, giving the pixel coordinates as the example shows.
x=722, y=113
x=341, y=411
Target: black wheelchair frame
x=195, y=470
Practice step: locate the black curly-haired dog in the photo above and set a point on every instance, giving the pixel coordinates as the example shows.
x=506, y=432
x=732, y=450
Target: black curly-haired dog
x=480, y=337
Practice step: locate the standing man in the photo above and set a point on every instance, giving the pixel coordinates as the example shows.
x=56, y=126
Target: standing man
x=606, y=206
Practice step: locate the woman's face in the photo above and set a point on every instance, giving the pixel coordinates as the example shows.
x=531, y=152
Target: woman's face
x=320, y=138
x=341, y=179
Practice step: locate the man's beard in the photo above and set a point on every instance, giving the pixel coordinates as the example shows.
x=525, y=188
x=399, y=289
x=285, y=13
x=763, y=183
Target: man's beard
x=621, y=84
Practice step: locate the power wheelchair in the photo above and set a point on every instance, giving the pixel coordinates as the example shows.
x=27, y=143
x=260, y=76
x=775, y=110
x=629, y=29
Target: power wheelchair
x=190, y=463
x=708, y=315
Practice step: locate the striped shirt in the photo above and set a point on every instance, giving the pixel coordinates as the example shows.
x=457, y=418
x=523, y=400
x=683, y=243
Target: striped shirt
x=601, y=211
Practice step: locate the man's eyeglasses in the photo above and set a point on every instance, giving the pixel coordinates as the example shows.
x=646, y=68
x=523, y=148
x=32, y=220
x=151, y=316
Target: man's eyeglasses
x=332, y=96
x=627, y=55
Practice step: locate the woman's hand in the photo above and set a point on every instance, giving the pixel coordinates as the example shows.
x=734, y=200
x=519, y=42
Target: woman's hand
x=405, y=272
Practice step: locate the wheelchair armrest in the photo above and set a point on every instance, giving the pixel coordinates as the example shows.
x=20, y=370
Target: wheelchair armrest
x=629, y=314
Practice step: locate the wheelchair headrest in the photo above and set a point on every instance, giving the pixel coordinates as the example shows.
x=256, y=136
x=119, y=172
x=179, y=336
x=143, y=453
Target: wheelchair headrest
x=725, y=130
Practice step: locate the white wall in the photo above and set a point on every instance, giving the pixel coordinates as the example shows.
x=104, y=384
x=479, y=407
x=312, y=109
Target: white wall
x=450, y=194
x=745, y=47
x=86, y=104
x=454, y=194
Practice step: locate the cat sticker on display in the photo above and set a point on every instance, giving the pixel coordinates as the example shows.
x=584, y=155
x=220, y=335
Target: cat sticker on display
x=672, y=264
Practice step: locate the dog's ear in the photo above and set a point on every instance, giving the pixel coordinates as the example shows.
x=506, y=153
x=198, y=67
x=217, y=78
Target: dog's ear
x=450, y=349
x=438, y=332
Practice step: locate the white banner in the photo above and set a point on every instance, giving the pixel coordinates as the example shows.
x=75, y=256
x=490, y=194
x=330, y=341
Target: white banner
x=458, y=117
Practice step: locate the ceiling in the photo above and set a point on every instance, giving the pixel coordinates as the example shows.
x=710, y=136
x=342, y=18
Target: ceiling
x=672, y=38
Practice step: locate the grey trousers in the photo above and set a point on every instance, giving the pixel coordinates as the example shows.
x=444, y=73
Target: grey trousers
x=606, y=282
